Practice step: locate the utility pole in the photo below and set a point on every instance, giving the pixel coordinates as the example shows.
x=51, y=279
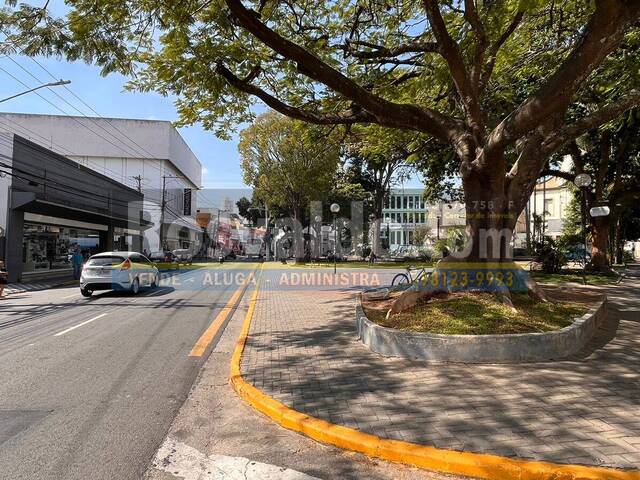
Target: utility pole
x=138, y=179
x=163, y=205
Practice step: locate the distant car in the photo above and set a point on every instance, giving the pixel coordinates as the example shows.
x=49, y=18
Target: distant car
x=183, y=255
x=118, y=271
x=165, y=260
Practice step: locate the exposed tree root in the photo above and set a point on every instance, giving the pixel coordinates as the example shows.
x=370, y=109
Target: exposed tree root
x=419, y=293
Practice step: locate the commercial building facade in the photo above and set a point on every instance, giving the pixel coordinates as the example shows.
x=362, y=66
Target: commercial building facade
x=50, y=206
x=146, y=155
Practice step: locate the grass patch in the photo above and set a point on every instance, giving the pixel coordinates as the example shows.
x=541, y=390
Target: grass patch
x=575, y=277
x=482, y=314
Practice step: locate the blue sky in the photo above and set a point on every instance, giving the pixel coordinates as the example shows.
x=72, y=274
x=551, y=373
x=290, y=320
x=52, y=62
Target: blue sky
x=106, y=95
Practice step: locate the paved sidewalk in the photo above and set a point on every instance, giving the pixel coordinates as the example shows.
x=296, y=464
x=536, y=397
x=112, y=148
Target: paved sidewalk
x=40, y=285
x=303, y=351
x=217, y=436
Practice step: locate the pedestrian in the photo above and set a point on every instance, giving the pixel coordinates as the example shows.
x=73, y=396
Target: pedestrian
x=76, y=261
x=3, y=278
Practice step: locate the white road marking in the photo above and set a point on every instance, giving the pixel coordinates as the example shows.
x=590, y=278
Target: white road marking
x=79, y=325
x=182, y=461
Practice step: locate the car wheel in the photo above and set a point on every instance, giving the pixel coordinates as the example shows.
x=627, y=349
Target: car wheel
x=154, y=283
x=135, y=286
x=86, y=292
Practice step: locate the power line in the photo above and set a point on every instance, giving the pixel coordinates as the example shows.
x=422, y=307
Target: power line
x=140, y=148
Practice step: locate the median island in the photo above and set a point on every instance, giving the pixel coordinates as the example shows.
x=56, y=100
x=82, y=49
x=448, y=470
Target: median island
x=477, y=313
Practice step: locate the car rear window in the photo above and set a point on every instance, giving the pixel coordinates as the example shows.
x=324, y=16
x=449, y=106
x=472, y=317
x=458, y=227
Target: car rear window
x=105, y=261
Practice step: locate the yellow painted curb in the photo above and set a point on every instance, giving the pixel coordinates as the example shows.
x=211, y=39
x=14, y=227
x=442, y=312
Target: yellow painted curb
x=448, y=461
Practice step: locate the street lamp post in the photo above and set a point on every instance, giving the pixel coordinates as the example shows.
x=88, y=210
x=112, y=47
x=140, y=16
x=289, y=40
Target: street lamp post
x=318, y=245
x=582, y=181
x=267, y=234
x=44, y=85
x=335, y=208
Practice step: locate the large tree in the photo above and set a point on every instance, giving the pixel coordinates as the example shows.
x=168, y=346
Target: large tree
x=445, y=69
x=378, y=158
x=288, y=164
x=611, y=156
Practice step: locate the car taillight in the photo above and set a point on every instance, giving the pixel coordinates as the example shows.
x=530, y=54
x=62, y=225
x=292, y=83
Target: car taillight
x=126, y=265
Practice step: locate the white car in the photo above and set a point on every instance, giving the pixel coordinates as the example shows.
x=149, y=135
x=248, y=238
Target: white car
x=118, y=271
x=184, y=256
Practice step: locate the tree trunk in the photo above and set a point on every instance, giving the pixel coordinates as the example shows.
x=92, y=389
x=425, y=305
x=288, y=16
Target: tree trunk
x=486, y=262
x=601, y=230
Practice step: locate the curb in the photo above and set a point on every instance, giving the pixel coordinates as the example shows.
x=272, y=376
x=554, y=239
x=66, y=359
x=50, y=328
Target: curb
x=520, y=348
x=469, y=464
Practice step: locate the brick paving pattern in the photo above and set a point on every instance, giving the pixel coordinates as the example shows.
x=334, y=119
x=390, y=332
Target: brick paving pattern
x=303, y=351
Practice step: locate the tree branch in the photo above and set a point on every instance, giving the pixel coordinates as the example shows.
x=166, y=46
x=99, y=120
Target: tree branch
x=495, y=48
x=473, y=18
x=607, y=113
x=602, y=35
x=451, y=53
x=570, y=177
x=348, y=117
x=386, y=113
x=380, y=51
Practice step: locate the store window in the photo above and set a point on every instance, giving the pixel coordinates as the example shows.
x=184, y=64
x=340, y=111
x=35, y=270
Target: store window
x=49, y=247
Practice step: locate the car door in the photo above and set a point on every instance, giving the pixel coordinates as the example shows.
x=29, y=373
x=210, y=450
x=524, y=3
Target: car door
x=142, y=269
x=150, y=269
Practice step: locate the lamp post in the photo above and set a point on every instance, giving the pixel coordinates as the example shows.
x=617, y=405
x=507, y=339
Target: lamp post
x=44, y=85
x=387, y=221
x=335, y=208
x=267, y=234
x=582, y=181
x=438, y=220
x=318, y=220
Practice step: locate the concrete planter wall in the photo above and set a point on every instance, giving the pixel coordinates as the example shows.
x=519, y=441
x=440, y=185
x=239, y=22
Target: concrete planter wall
x=514, y=348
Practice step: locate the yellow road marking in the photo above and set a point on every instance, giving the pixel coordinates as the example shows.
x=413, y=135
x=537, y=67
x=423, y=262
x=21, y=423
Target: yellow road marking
x=210, y=333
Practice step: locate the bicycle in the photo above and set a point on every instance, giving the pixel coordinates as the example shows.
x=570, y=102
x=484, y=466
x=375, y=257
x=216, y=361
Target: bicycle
x=409, y=277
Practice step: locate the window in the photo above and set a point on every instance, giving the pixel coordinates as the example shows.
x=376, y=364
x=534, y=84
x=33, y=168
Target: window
x=404, y=216
x=386, y=201
x=411, y=202
x=49, y=247
x=422, y=217
x=548, y=207
x=404, y=202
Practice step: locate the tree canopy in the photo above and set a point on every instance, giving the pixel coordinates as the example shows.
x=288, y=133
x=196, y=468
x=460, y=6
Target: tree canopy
x=502, y=85
x=288, y=163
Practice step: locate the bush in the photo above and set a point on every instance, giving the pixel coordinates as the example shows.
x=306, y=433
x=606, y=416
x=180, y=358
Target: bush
x=551, y=254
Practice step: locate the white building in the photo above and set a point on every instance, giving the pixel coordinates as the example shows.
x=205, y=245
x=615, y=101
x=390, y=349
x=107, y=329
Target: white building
x=405, y=210
x=148, y=155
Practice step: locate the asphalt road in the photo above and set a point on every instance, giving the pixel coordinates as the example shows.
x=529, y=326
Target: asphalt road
x=89, y=387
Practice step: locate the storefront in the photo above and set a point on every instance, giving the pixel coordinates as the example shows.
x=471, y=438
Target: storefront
x=47, y=211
